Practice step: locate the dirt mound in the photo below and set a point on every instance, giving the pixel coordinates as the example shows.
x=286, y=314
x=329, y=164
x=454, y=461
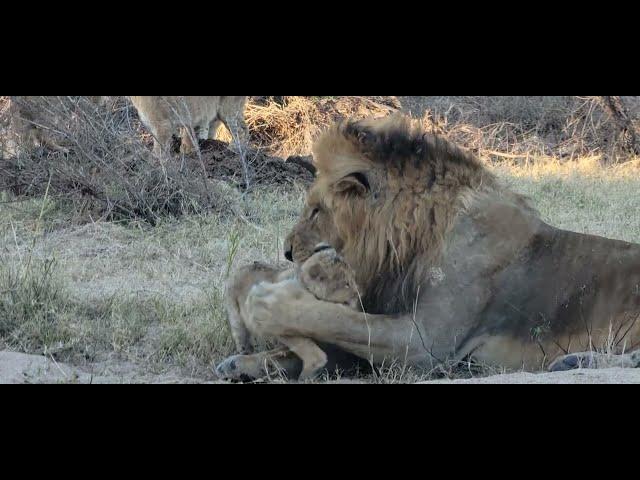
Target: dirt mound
x=144, y=189
x=223, y=163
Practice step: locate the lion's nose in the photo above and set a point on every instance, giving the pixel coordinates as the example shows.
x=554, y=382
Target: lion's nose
x=289, y=255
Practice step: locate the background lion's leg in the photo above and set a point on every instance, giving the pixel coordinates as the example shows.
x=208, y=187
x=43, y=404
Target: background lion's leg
x=162, y=136
x=238, y=128
x=280, y=362
x=595, y=360
x=214, y=126
x=187, y=135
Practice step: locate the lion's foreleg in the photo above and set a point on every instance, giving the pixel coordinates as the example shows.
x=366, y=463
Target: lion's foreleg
x=294, y=312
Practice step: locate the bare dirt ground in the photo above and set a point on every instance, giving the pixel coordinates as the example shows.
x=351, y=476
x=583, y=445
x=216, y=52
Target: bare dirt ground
x=20, y=368
x=605, y=376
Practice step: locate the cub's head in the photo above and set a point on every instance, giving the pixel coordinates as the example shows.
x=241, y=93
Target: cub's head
x=328, y=277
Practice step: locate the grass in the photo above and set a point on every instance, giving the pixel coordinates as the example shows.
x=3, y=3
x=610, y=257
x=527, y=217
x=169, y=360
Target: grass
x=582, y=196
x=153, y=297
x=149, y=296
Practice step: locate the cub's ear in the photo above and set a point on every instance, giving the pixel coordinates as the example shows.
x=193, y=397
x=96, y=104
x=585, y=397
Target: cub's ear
x=356, y=184
x=316, y=273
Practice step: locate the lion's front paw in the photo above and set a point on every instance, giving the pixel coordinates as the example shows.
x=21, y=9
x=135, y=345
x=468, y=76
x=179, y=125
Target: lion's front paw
x=595, y=360
x=635, y=359
x=574, y=361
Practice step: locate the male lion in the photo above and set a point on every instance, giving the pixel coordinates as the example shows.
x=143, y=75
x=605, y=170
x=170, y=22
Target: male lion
x=164, y=116
x=451, y=264
x=324, y=274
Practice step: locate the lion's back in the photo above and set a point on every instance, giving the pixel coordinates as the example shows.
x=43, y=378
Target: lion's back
x=192, y=110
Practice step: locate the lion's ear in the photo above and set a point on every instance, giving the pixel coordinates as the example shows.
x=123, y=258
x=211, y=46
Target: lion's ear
x=356, y=183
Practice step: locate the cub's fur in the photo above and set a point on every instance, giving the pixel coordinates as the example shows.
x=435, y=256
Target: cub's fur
x=325, y=274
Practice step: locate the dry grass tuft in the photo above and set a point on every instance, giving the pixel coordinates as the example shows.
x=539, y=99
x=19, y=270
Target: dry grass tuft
x=288, y=127
x=522, y=128
x=283, y=129
x=516, y=128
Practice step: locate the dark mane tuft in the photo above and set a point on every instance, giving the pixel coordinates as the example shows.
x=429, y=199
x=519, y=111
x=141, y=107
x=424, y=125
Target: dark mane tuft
x=400, y=144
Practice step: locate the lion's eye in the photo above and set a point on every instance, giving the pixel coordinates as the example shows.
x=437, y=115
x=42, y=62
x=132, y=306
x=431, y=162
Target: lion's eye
x=315, y=213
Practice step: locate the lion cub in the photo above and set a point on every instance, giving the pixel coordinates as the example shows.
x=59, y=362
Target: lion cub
x=325, y=275
x=328, y=277
x=165, y=116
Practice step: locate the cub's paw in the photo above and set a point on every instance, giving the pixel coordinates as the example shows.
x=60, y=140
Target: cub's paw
x=239, y=368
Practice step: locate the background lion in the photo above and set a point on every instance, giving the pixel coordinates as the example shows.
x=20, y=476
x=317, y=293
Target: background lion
x=194, y=117
x=451, y=264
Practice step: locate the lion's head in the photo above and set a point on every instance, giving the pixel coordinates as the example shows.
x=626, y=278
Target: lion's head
x=385, y=196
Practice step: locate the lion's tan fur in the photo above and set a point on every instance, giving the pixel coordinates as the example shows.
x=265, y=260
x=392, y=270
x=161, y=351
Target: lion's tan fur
x=164, y=116
x=451, y=264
